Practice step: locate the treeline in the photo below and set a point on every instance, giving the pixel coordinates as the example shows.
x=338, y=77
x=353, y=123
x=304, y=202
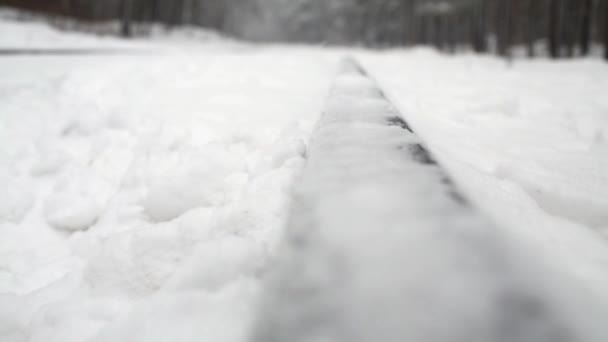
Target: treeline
x=205, y=13
x=559, y=28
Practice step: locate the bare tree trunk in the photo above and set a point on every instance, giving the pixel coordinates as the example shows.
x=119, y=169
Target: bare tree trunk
x=606, y=30
x=554, y=28
x=504, y=29
x=450, y=34
x=437, y=32
x=177, y=15
x=586, y=24
x=154, y=17
x=126, y=17
x=196, y=12
x=479, y=29
x=410, y=23
x=509, y=32
x=530, y=30
x=422, y=30
x=66, y=7
x=569, y=24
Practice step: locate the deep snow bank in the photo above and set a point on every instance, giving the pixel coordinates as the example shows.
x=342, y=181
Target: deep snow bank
x=146, y=194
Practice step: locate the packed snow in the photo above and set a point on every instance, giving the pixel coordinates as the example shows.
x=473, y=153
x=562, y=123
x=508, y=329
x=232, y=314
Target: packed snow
x=145, y=195
x=371, y=255
x=527, y=142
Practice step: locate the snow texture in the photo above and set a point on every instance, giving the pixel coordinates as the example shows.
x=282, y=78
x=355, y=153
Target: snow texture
x=381, y=247
x=144, y=195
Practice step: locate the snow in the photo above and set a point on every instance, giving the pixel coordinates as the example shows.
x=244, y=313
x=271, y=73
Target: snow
x=16, y=34
x=364, y=242
x=189, y=185
x=16, y=201
x=511, y=137
x=71, y=211
x=26, y=31
x=145, y=194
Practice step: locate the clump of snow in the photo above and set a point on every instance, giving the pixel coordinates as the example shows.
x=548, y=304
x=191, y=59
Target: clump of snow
x=77, y=200
x=209, y=180
x=71, y=212
x=49, y=163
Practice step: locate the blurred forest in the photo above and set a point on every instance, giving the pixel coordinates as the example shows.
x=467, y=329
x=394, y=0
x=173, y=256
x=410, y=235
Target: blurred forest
x=559, y=28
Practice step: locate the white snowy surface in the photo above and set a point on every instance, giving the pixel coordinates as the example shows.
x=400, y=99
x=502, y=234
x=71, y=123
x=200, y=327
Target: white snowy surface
x=19, y=30
x=19, y=34
x=144, y=195
x=379, y=248
x=528, y=142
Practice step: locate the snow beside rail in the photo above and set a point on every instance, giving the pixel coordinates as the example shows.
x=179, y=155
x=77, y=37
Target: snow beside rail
x=380, y=247
x=142, y=196
x=77, y=125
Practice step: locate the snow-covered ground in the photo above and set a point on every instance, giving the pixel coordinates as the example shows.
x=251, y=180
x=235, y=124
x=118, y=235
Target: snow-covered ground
x=24, y=31
x=528, y=142
x=373, y=255
x=18, y=34
x=144, y=195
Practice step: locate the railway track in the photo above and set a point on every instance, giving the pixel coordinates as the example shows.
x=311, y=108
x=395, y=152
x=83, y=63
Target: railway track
x=382, y=246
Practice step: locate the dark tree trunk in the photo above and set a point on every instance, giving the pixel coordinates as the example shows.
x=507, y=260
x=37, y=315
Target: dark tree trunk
x=503, y=14
x=530, y=29
x=606, y=30
x=504, y=29
x=411, y=24
x=450, y=34
x=177, y=14
x=586, y=25
x=126, y=17
x=479, y=29
x=554, y=28
x=436, y=31
x=569, y=24
x=154, y=17
x=509, y=17
x=66, y=7
x=422, y=30
x=195, y=16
